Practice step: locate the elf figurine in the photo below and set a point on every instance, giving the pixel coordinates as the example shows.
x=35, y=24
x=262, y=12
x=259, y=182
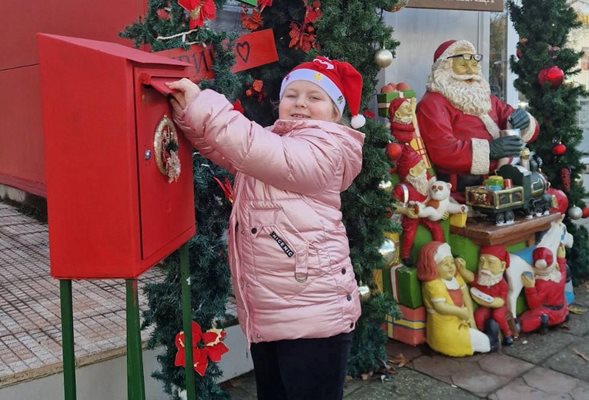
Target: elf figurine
x=489, y=290
x=544, y=293
x=414, y=185
x=401, y=113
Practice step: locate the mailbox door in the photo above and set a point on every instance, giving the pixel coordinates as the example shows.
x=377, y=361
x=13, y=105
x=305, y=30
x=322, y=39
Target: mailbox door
x=166, y=201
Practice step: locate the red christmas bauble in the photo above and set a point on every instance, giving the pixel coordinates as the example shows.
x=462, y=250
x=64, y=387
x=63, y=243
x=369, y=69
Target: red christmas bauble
x=559, y=149
x=394, y=151
x=560, y=201
x=585, y=212
x=553, y=75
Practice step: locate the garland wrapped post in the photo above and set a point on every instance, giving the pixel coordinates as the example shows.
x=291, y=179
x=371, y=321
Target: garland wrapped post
x=543, y=63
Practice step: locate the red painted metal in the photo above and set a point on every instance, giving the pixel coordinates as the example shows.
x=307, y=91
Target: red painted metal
x=21, y=137
x=112, y=214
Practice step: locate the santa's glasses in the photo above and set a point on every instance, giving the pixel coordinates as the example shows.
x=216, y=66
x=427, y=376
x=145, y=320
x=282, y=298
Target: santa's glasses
x=468, y=57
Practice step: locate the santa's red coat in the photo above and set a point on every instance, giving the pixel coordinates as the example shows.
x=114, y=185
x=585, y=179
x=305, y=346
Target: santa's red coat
x=546, y=297
x=498, y=314
x=447, y=132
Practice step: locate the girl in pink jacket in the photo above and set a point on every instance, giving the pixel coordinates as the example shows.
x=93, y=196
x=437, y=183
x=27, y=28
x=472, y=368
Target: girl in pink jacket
x=297, y=297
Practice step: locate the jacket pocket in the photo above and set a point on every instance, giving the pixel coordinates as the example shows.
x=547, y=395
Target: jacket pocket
x=280, y=253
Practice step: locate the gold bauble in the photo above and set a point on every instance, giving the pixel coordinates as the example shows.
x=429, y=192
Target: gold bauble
x=387, y=251
x=386, y=186
x=383, y=58
x=397, y=7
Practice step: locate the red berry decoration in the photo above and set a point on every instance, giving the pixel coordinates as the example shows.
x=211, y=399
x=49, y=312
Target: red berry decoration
x=585, y=212
x=559, y=149
x=394, y=151
x=553, y=76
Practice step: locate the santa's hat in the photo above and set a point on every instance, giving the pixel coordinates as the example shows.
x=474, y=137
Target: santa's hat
x=409, y=159
x=498, y=251
x=447, y=49
x=338, y=79
x=542, y=257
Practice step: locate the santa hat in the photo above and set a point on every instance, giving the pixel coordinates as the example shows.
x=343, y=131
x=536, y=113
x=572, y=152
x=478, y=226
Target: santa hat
x=447, y=49
x=394, y=106
x=338, y=79
x=542, y=257
x=498, y=251
x=409, y=159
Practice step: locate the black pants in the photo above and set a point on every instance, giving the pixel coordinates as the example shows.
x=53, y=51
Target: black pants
x=302, y=369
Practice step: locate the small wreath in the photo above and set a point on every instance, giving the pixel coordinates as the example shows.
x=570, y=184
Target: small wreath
x=165, y=144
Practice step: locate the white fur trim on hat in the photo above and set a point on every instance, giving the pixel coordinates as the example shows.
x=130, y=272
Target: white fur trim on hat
x=442, y=252
x=320, y=80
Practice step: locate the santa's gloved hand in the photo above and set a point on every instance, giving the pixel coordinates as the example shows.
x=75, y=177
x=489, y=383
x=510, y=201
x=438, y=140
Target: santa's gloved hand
x=519, y=119
x=507, y=146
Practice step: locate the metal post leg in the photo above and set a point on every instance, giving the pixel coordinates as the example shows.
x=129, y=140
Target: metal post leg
x=135, y=382
x=187, y=322
x=67, y=339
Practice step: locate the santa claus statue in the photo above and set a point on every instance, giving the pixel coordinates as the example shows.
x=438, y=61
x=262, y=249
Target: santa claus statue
x=413, y=187
x=489, y=290
x=401, y=112
x=460, y=121
x=544, y=293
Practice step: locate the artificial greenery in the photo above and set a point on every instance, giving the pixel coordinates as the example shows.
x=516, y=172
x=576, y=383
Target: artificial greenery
x=351, y=31
x=543, y=27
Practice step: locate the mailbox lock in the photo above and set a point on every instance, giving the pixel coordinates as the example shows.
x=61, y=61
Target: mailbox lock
x=165, y=145
x=147, y=154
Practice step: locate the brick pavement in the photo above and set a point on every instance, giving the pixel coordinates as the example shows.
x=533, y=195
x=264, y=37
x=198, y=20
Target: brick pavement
x=30, y=324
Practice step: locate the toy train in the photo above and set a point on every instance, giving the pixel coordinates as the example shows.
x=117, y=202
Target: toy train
x=526, y=194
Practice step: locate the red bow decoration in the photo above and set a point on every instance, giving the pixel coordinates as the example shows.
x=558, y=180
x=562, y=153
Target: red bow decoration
x=302, y=36
x=226, y=187
x=205, y=346
x=199, y=10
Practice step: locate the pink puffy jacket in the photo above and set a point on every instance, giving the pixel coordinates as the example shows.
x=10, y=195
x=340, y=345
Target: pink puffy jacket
x=288, y=248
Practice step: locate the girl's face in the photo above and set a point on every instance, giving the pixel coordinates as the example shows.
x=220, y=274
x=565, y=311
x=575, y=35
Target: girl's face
x=447, y=268
x=305, y=100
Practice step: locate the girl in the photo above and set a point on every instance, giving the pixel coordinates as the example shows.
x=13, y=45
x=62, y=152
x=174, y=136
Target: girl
x=297, y=297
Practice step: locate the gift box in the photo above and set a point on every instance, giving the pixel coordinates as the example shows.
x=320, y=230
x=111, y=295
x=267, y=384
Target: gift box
x=409, y=329
x=406, y=287
x=384, y=100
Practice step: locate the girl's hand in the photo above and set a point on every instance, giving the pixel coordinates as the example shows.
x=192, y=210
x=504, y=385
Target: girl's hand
x=186, y=91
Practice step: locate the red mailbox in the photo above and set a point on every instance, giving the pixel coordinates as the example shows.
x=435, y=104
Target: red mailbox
x=118, y=174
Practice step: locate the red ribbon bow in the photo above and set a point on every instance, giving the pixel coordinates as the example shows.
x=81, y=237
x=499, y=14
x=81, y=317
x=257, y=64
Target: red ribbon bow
x=205, y=346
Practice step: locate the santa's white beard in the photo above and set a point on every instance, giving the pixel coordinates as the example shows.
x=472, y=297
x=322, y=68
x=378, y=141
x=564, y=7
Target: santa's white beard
x=486, y=278
x=471, y=97
x=420, y=183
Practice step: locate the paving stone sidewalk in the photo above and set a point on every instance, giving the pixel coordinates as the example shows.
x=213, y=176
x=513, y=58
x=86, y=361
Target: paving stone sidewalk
x=550, y=366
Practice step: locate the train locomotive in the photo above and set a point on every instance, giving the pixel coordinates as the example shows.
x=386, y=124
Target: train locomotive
x=526, y=194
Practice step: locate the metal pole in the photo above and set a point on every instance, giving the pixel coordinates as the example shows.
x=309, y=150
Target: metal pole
x=135, y=382
x=67, y=339
x=187, y=322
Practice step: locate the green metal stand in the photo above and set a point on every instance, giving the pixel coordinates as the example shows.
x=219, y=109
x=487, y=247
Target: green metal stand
x=135, y=382
x=187, y=322
x=67, y=339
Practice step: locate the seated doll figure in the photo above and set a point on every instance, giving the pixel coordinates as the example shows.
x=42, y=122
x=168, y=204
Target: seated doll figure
x=489, y=290
x=450, y=326
x=544, y=292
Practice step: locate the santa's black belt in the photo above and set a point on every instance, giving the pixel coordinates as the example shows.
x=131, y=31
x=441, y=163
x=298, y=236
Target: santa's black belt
x=460, y=182
x=553, y=308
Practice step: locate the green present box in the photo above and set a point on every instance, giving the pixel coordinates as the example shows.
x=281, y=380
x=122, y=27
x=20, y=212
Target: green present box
x=406, y=287
x=250, y=2
x=384, y=100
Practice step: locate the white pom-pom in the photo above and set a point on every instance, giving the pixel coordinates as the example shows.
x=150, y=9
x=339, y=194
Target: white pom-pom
x=358, y=121
x=540, y=264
